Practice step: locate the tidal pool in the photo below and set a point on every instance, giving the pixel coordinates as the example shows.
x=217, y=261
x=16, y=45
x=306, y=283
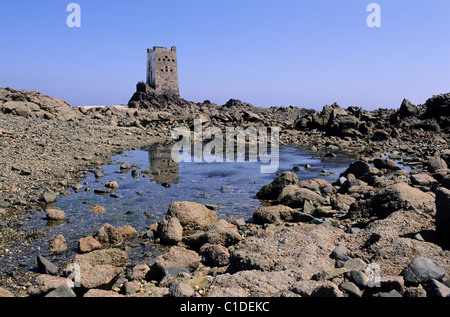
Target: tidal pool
x=154, y=182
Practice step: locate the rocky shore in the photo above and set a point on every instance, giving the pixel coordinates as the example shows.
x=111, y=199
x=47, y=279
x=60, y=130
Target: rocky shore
x=378, y=230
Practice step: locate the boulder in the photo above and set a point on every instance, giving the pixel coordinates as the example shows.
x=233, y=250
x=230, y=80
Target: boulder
x=295, y=196
x=303, y=250
x=88, y=244
x=272, y=190
x=421, y=269
x=435, y=164
x=423, y=179
x=361, y=170
x=178, y=257
x=400, y=196
x=273, y=214
x=192, y=215
x=112, y=256
x=385, y=163
x=170, y=231
x=215, y=254
x=107, y=235
x=57, y=244
x=407, y=109
x=55, y=214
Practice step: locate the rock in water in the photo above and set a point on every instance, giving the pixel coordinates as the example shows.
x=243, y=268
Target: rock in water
x=273, y=190
x=191, y=214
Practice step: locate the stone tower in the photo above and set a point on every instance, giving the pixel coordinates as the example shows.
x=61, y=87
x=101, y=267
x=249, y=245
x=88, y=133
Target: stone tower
x=162, y=71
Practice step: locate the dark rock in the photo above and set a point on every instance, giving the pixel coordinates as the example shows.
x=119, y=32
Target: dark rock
x=215, y=254
x=420, y=270
x=437, y=289
x=272, y=190
x=407, y=109
x=45, y=266
x=350, y=288
x=443, y=215
x=385, y=163
x=62, y=291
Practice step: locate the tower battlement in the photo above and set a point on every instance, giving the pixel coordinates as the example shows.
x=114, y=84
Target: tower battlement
x=162, y=70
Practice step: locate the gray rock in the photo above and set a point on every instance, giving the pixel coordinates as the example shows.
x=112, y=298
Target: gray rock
x=181, y=290
x=125, y=166
x=45, y=266
x=437, y=289
x=359, y=278
x=173, y=271
x=389, y=294
x=350, y=288
x=62, y=291
x=48, y=197
x=420, y=270
x=355, y=264
x=340, y=253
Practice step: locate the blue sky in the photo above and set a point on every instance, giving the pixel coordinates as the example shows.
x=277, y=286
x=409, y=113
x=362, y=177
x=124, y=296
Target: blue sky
x=305, y=53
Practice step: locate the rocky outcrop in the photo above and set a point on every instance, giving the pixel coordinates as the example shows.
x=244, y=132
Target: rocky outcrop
x=35, y=105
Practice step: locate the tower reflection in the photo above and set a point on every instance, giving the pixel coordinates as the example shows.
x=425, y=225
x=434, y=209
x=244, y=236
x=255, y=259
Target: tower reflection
x=163, y=169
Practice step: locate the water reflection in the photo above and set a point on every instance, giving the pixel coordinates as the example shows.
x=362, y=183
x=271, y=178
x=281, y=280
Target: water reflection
x=163, y=169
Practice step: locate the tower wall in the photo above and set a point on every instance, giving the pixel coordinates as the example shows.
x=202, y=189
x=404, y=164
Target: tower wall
x=162, y=70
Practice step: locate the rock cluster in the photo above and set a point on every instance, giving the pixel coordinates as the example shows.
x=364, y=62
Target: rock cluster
x=380, y=229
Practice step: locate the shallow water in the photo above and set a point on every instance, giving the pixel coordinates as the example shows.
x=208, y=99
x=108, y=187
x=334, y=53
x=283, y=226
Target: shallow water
x=144, y=199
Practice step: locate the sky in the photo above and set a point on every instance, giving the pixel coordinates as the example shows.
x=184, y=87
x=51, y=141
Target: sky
x=307, y=53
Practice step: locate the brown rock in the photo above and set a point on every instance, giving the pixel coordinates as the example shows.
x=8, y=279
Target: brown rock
x=272, y=214
x=100, y=276
x=114, y=257
x=127, y=232
x=302, y=249
x=113, y=184
x=98, y=209
x=57, y=244
x=101, y=293
x=170, y=231
x=88, y=244
x=192, y=215
x=215, y=254
x=107, y=235
x=310, y=288
x=294, y=196
x=177, y=257
x=400, y=196
x=44, y=283
x=5, y=293
x=55, y=214
x=272, y=190
x=423, y=179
